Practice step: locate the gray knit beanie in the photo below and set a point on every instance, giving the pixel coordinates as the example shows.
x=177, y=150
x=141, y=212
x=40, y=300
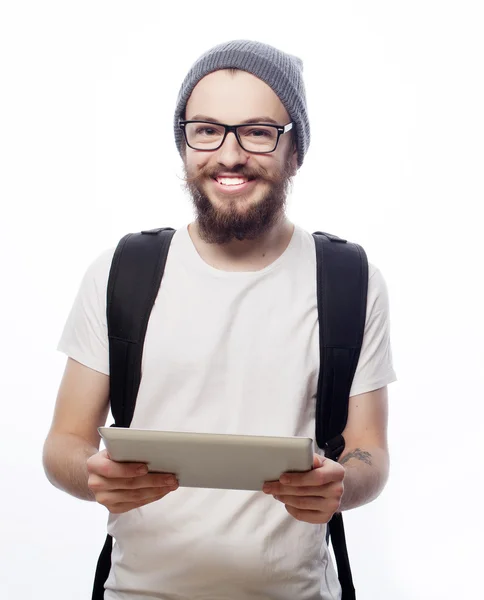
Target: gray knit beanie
x=281, y=71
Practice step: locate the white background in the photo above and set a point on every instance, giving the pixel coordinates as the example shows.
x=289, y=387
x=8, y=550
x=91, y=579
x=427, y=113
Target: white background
x=395, y=94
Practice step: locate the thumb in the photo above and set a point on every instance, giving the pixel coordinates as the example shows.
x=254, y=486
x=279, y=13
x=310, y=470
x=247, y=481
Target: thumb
x=318, y=461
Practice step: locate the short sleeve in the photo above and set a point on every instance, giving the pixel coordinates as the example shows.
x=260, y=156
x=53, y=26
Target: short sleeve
x=85, y=337
x=375, y=366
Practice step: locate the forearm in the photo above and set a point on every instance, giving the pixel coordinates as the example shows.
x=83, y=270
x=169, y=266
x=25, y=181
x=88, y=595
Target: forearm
x=366, y=475
x=65, y=463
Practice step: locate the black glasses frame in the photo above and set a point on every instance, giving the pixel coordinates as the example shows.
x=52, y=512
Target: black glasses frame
x=281, y=130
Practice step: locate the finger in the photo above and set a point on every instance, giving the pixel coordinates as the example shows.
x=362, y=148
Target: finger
x=278, y=489
x=302, y=502
x=318, y=461
x=325, y=491
x=317, y=503
x=101, y=464
x=152, y=480
x=309, y=516
x=97, y=483
x=115, y=497
x=125, y=507
x=114, y=500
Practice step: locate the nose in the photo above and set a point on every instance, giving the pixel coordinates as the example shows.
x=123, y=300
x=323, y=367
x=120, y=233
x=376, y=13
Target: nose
x=231, y=153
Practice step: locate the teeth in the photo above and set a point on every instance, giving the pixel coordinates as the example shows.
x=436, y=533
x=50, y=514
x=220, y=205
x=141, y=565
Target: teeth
x=231, y=180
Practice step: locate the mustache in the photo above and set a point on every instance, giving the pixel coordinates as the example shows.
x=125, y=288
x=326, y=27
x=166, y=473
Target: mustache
x=258, y=172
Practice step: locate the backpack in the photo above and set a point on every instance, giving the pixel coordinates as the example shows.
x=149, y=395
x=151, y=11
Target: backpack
x=342, y=284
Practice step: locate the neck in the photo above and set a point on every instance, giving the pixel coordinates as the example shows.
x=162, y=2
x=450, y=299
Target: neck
x=244, y=255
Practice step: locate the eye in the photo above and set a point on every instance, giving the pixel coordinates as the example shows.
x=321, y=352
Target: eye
x=206, y=131
x=259, y=133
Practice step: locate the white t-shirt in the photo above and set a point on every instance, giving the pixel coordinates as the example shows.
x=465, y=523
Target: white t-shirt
x=226, y=352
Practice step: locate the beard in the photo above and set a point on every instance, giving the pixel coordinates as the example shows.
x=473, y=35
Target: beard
x=222, y=225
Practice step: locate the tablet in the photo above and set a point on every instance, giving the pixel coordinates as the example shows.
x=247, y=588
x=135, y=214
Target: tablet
x=203, y=460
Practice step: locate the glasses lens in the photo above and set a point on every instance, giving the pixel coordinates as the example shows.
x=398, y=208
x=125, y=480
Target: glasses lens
x=258, y=138
x=204, y=136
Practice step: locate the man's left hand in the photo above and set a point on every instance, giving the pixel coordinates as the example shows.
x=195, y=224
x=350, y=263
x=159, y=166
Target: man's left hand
x=314, y=496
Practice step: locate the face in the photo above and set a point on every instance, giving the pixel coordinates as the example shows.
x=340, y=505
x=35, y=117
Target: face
x=237, y=194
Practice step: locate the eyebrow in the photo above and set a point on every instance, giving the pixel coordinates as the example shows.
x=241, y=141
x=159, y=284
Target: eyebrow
x=253, y=120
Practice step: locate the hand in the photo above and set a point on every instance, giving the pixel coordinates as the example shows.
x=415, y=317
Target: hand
x=120, y=487
x=314, y=496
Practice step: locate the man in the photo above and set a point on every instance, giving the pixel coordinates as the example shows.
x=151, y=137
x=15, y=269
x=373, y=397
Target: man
x=232, y=347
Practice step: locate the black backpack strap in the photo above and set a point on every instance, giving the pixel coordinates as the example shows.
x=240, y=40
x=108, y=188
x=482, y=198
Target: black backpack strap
x=342, y=287
x=135, y=277
x=134, y=280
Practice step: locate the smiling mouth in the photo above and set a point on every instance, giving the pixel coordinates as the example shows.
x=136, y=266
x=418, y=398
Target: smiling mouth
x=232, y=181
x=233, y=185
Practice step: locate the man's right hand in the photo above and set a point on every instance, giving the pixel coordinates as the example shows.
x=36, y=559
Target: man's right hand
x=120, y=487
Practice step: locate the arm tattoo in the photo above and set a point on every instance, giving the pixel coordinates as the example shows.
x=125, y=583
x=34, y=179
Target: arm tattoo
x=359, y=455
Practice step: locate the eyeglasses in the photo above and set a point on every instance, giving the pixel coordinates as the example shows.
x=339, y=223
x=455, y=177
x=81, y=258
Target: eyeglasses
x=258, y=138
